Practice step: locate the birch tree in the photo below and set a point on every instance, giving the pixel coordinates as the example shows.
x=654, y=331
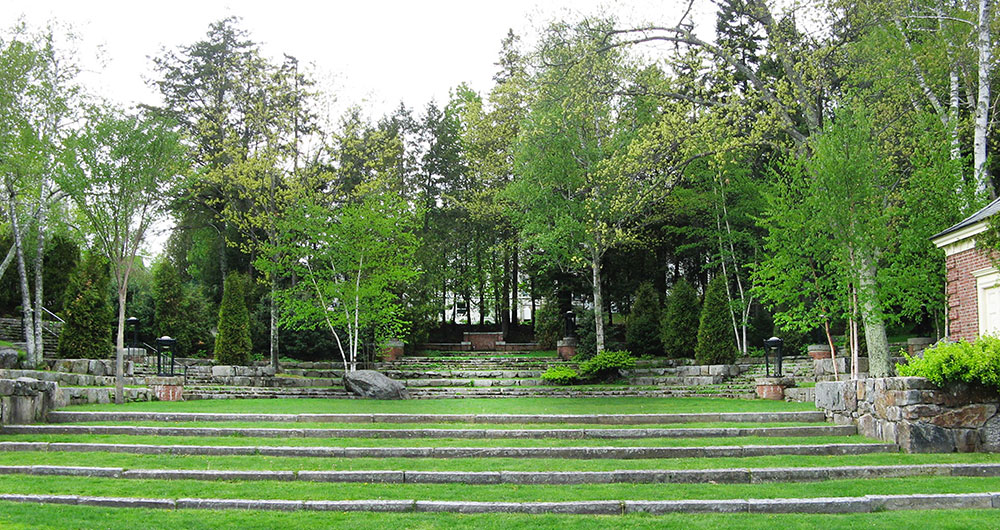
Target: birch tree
x=350, y=262
x=116, y=170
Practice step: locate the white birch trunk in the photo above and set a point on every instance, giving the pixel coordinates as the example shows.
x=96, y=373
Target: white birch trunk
x=595, y=265
x=875, y=334
x=984, y=46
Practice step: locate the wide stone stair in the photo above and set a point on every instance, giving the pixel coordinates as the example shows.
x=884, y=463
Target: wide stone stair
x=476, y=374
x=362, y=456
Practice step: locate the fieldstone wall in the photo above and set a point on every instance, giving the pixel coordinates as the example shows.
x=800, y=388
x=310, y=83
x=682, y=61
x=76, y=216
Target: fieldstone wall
x=26, y=400
x=98, y=367
x=915, y=414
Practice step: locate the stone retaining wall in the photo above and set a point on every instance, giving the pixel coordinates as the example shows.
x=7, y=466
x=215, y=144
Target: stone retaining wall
x=98, y=367
x=912, y=412
x=26, y=400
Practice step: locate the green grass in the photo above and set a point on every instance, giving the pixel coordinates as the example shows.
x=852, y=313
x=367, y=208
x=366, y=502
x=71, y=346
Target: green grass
x=17, y=516
x=259, y=462
x=295, y=490
x=541, y=405
x=456, y=425
x=431, y=442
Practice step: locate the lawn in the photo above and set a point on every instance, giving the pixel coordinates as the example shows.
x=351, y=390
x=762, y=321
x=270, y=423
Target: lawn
x=521, y=405
x=433, y=442
x=32, y=516
x=294, y=490
x=260, y=462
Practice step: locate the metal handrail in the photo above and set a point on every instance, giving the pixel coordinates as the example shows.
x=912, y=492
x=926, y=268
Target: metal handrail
x=53, y=315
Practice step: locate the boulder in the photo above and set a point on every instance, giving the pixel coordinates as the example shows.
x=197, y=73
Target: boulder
x=372, y=384
x=8, y=358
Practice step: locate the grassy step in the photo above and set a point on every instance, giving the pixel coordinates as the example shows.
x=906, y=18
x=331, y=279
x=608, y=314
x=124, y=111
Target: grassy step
x=304, y=463
x=649, y=476
x=583, y=452
x=30, y=515
x=821, y=430
x=520, y=406
x=66, y=416
x=303, y=490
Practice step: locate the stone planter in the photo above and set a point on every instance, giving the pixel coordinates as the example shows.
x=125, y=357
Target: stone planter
x=916, y=346
x=566, y=348
x=773, y=387
x=819, y=351
x=393, y=350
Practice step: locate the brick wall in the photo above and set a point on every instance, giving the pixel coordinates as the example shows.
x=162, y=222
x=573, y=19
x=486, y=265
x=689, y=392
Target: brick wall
x=963, y=308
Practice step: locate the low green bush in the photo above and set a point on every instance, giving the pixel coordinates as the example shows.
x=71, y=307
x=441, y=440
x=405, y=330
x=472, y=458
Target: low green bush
x=958, y=362
x=607, y=365
x=560, y=375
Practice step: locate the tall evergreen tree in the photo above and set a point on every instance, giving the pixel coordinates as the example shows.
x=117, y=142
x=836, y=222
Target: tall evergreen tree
x=86, y=311
x=232, y=344
x=679, y=325
x=642, y=330
x=716, y=344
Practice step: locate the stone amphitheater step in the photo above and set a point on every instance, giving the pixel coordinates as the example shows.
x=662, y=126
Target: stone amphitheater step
x=603, y=434
x=617, y=453
x=63, y=416
x=827, y=505
x=225, y=392
x=645, y=476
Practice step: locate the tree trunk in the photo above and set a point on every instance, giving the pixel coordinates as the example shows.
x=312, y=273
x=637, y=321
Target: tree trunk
x=273, y=342
x=515, y=305
x=985, y=48
x=595, y=265
x=120, y=346
x=39, y=292
x=27, y=322
x=875, y=334
x=505, y=302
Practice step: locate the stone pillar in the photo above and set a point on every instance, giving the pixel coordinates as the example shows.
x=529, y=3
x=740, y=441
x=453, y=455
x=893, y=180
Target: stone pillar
x=916, y=346
x=819, y=351
x=393, y=350
x=567, y=348
x=773, y=387
x=169, y=392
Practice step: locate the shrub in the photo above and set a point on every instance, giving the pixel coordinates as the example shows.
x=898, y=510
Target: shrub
x=560, y=375
x=679, y=325
x=642, y=330
x=87, y=312
x=548, y=324
x=958, y=362
x=607, y=365
x=715, y=332
x=232, y=344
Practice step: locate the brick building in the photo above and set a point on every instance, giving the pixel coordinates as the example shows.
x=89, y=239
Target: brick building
x=973, y=280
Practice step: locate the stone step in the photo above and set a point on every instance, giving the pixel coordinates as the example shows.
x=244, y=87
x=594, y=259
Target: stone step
x=826, y=505
x=605, y=434
x=62, y=416
x=617, y=453
x=644, y=476
x=454, y=392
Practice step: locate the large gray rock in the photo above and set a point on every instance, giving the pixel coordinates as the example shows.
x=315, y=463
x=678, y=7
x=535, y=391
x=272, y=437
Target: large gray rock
x=8, y=358
x=371, y=384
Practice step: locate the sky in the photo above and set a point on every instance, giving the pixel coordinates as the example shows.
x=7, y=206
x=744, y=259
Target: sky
x=372, y=53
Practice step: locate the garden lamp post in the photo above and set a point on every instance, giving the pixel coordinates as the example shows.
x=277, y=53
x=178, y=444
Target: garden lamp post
x=133, y=322
x=772, y=346
x=163, y=345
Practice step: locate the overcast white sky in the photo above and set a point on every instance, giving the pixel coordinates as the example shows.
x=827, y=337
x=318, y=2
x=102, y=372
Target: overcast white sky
x=372, y=53
x=375, y=53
